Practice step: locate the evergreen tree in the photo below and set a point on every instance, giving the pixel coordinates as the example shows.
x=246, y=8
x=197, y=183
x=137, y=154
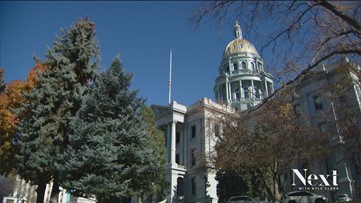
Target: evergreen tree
x=45, y=125
x=109, y=155
x=2, y=82
x=10, y=100
x=230, y=184
x=157, y=142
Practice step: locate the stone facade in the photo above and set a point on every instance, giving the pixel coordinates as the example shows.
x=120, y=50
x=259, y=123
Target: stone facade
x=190, y=141
x=329, y=98
x=243, y=83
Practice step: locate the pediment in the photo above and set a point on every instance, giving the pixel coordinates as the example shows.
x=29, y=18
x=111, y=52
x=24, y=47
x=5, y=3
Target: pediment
x=158, y=110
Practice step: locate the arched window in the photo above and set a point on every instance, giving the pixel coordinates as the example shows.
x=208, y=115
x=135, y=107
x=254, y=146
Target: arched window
x=260, y=66
x=244, y=65
x=235, y=65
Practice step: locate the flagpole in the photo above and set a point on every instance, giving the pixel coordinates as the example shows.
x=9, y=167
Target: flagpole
x=170, y=78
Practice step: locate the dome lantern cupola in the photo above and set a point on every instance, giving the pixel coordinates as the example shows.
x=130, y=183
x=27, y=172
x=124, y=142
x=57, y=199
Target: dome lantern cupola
x=242, y=81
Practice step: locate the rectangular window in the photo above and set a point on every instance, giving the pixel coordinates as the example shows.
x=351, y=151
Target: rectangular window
x=216, y=130
x=193, y=157
x=177, y=158
x=193, y=131
x=318, y=102
x=281, y=179
x=357, y=159
x=194, y=190
x=177, y=137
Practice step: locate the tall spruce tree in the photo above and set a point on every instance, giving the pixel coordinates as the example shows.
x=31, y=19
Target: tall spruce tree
x=2, y=82
x=109, y=155
x=44, y=130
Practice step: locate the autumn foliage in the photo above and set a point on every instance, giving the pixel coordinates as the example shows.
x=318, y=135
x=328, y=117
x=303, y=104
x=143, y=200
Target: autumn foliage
x=10, y=100
x=267, y=142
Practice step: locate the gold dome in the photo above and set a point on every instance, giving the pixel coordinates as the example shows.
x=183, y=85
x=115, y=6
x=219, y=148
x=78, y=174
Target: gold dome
x=239, y=45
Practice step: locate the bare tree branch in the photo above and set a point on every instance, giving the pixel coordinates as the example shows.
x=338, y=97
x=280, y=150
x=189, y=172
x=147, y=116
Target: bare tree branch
x=315, y=31
x=353, y=22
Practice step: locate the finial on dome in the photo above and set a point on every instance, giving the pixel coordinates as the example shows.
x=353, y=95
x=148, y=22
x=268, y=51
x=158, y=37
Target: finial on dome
x=237, y=30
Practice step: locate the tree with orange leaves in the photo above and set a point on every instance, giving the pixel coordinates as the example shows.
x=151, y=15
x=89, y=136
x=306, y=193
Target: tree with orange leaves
x=11, y=98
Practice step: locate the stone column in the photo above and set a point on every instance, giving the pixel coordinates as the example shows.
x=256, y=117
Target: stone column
x=173, y=142
x=266, y=87
x=227, y=90
x=219, y=93
x=252, y=90
x=241, y=92
x=169, y=136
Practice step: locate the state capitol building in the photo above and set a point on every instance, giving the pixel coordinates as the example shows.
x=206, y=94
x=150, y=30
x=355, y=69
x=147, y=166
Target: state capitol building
x=243, y=83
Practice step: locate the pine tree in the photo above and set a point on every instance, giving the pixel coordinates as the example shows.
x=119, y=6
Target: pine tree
x=110, y=156
x=45, y=125
x=157, y=142
x=2, y=82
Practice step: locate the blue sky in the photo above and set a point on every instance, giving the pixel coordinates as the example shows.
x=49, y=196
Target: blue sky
x=142, y=32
